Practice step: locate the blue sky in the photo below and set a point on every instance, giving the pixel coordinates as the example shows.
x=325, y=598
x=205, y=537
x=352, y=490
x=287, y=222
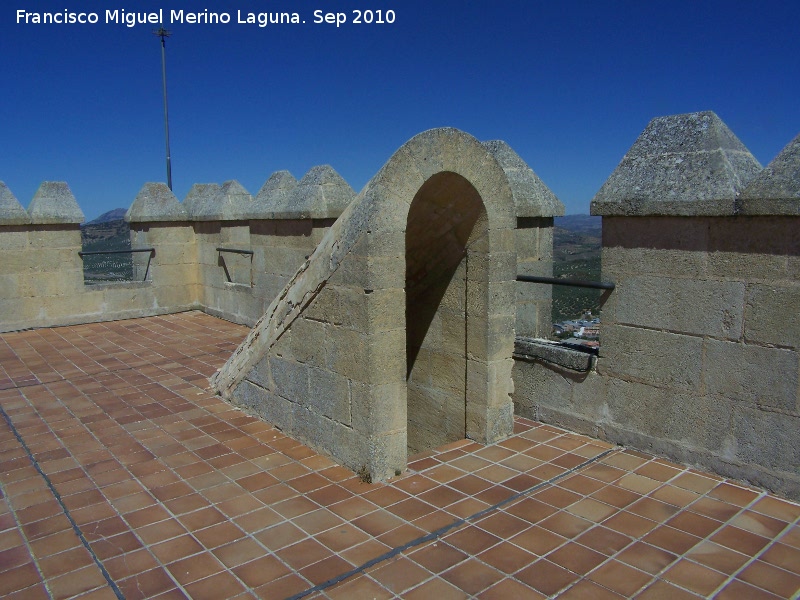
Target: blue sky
x=569, y=85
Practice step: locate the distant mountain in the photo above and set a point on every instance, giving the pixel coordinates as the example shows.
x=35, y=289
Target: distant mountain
x=118, y=214
x=109, y=231
x=580, y=223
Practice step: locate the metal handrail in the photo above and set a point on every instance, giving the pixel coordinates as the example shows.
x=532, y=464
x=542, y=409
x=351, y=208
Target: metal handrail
x=597, y=285
x=235, y=251
x=94, y=252
x=150, y=251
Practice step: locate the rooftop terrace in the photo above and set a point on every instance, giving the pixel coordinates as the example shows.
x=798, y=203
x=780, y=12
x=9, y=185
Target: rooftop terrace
x=123, y=476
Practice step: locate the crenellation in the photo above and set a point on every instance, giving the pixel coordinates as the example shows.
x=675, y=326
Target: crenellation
x=11, y=211
x=776, y=189
x=681, y=165
x=320, y=194
x=54, y=203
x=384, y=322
x=699, y=338
x=274, y=199
x=156, y=203
x=199, y=202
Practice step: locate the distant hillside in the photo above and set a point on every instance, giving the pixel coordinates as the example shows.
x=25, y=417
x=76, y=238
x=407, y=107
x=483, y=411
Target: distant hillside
x=118, y=214
x=576, y=255
x=588, y=224
x=109, y=231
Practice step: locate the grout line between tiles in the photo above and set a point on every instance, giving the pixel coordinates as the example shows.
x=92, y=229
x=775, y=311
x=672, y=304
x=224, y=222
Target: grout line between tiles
x=759, y=554
x=65, y=510
x=25, y=539
x=442, y=530
x=657, y=576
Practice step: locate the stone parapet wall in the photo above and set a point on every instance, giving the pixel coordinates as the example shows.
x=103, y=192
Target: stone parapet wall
x=700, y=354
x=41, y=276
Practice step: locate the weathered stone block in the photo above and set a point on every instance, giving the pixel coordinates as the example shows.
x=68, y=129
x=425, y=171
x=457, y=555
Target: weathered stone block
x=311, y=428
x=175, y=296
x=689, y=164
x=752, y=374
x=532, y=320
x=155, y=202
x=705, y=307
x=329, y=395
x=697, y=421
x=14, y=238
x=157, y=233
x=378, y=310
x=655, y=357
x=743, y=266
x=56, y=237
x=420, y=367
x=235, y=233
x=559, y=355
x=378, y=409
x=290, y=379
x=14, y=313
x=386, y=355
x=767, y=438
x=261, y=375
x=346, y=353
x=618, y=262
x=308, y=342
x=772, y=315
x=60, y=283
x=447, y=371
x=325, y=306
x=387, y=455
x=349, y=447
x=371, y=273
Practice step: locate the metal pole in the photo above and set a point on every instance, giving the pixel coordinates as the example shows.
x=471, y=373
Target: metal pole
x=597, y=285
x=163, y=33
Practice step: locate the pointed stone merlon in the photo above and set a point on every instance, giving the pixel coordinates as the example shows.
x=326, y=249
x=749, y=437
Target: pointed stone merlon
x=776, y=189
x=274, y=199
x=155, y=202
x=11, y=211
x=54, y=203
x=532, y=198
x=320, y=194
x=200, y=199
x=689, y=164
x=228, y=202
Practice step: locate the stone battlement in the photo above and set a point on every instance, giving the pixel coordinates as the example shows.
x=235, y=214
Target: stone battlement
x=384, y=321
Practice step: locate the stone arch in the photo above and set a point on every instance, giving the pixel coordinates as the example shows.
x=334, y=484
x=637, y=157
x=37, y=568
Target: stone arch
x=351, y=296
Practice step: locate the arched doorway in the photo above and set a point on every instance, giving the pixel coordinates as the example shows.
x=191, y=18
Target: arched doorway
x=446, y=288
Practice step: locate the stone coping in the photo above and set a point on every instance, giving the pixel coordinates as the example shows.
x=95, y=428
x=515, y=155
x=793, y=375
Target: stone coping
x=563, y=354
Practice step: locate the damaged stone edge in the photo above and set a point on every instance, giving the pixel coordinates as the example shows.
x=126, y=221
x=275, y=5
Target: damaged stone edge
x=563, y=354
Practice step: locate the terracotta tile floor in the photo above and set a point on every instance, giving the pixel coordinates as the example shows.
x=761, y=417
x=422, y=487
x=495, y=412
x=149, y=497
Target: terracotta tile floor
x=122, y=477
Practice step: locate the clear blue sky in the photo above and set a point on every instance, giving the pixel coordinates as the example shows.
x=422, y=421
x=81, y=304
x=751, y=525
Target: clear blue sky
x=569, y=85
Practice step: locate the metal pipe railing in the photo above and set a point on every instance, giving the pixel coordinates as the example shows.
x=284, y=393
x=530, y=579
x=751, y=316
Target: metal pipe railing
x=96, y=252
x=82, y=254
x=596, y=285
x=235, y=251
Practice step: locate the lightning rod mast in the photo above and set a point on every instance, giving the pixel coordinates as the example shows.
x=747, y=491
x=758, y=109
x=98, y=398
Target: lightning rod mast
x=164, y=34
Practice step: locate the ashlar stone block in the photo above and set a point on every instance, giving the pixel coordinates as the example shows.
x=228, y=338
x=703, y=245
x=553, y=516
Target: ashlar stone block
x=755, y=375
x=656, y=357
x=772, y=315
x=702, y=307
